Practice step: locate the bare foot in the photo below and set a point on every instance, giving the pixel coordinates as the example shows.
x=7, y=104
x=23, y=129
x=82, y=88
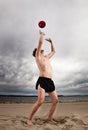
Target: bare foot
x=52, y=122
x=29, y=122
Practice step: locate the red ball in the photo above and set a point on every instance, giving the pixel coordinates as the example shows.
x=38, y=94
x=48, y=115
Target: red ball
x=42, y=24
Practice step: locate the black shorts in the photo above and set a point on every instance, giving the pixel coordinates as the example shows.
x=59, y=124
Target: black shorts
x=46, y=83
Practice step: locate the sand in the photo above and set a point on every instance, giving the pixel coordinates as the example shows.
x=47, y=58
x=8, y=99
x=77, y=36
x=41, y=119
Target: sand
x=69, y=116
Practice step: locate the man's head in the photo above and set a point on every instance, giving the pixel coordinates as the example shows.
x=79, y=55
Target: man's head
x=34, y=52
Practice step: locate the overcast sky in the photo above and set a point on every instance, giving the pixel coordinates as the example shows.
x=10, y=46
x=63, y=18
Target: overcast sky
x=66, y=24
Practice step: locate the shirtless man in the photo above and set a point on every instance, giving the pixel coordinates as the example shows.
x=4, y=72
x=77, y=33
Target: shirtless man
x=44, y=82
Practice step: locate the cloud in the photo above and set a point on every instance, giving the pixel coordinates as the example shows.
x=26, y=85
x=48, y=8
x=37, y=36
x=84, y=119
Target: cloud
x=70, y=76
x=66, y=25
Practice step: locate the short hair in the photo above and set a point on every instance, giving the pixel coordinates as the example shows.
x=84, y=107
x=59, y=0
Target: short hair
x=34, y=52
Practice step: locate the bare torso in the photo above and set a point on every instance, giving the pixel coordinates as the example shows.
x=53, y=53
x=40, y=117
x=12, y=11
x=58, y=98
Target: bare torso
x=45, y=69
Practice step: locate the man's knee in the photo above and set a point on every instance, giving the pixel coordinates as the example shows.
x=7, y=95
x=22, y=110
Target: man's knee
x=55, y=101
x=40, y=102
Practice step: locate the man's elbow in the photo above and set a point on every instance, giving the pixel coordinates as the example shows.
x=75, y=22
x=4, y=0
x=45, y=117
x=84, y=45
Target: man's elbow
x=54, y=51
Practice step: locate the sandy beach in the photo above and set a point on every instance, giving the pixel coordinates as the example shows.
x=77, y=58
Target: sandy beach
x=68, y=116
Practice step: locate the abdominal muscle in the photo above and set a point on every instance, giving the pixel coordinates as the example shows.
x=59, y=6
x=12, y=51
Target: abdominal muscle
x=45, y=69
x=45, y=74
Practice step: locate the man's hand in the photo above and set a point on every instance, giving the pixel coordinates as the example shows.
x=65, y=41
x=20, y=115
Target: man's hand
x=41, y=33
x=52, y=48
x=49, y=40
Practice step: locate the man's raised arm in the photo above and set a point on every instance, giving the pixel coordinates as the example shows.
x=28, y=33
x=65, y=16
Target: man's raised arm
x=52, y=48
x=40, y=42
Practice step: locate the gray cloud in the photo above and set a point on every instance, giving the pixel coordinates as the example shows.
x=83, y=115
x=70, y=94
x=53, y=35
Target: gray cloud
x=19, y=32
x=74, y=80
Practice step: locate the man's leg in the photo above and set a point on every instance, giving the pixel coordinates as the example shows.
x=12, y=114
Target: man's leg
x=38, y=103
x=54, y=99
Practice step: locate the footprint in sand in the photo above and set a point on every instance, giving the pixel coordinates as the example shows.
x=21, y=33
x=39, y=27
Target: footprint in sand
x=78, y=120
x=62, y=119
